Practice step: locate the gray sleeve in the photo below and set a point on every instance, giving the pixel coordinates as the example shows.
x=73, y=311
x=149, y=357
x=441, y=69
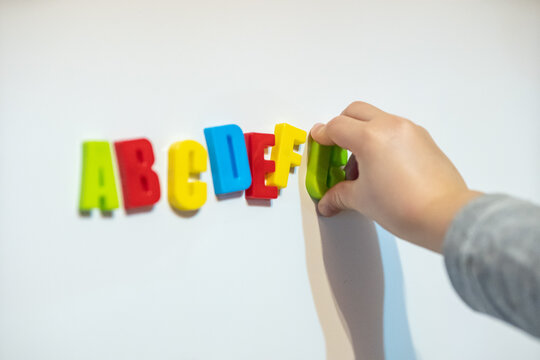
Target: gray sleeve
x=492, y=254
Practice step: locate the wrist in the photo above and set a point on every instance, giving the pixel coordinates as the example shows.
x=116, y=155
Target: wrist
x=442, y=212
x=453, y=207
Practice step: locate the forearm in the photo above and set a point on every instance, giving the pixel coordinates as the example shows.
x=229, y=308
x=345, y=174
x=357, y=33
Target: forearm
x=492, y=254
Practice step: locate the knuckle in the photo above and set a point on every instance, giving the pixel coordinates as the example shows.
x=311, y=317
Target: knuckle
x=333, y=124
x=406, y=126
x=421, y=129
x=401, y=125
x=355, y=105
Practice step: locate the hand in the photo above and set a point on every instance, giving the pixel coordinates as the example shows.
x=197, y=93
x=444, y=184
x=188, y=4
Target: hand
x=397, y=175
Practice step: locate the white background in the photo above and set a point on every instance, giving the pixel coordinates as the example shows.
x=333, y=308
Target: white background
x=231, y=282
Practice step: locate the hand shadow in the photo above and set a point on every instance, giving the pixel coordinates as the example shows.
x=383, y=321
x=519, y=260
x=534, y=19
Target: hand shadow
x=345, y=268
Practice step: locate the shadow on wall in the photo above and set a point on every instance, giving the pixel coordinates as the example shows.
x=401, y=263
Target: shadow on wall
x=348, y=260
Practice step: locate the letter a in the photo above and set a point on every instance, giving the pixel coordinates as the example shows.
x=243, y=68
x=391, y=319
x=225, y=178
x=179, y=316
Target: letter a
x=98, y=187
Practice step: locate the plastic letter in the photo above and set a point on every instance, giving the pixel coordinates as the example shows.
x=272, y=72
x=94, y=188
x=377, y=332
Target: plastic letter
x=287, y=137
x=338, y=160
x=324, y=169
x=98, y=186
x=140, y=184
x=228, y=158
x=186, y=159
x=255, y=144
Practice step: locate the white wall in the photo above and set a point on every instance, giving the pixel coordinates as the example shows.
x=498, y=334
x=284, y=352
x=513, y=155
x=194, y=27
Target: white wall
x=220, y=285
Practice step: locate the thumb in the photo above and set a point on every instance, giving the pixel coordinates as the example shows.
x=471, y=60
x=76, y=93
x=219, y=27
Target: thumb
x=337, y=198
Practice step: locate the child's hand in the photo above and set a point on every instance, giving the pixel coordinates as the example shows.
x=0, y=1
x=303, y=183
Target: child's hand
x=398, y=175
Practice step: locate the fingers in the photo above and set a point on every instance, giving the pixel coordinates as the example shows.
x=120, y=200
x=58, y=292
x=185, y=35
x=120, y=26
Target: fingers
x=362, y=111
x=336, y=199
x=346, y=130
x=342, y=131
